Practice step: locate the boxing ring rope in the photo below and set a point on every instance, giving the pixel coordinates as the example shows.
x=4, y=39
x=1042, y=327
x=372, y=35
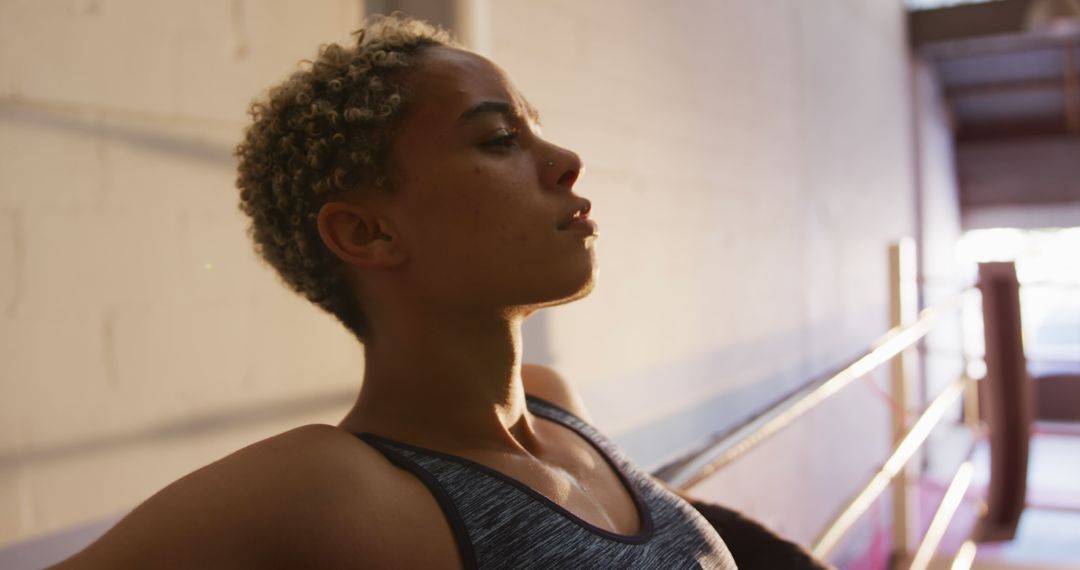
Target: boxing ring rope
x=894, y=348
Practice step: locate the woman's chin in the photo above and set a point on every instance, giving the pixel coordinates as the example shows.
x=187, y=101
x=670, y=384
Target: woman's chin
x=570, y=291
x=587, y=281
x=550, y=286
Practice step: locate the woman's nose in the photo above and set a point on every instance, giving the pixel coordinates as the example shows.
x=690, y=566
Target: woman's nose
x=562, y=169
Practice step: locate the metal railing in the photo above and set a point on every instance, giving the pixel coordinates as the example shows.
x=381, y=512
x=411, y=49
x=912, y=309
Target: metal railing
x=907, y=330
x=761, y=427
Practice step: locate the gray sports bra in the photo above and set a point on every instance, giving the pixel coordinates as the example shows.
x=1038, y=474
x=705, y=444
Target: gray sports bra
x=499, y=522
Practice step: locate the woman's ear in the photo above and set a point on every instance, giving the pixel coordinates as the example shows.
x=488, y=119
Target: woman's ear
x=357, y=235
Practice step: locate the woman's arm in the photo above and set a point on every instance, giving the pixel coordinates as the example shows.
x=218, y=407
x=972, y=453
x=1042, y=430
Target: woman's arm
x=247, y=510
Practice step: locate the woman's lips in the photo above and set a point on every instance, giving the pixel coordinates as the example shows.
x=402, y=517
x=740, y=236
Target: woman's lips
x=583, y=225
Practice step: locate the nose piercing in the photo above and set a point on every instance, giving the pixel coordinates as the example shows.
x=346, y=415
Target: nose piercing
x=550, y=163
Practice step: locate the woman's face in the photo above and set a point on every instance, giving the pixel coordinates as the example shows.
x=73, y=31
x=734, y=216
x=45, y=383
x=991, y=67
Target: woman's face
x=482, y=200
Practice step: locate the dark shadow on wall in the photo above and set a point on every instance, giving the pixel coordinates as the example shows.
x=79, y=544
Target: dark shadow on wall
x=538, y=350
x=156, y=136
x=184, y=428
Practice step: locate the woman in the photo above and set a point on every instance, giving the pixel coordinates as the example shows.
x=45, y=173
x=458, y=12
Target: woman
x=402, y=185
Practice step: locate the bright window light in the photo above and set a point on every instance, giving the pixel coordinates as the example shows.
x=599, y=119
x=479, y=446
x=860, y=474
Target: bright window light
x=1048, y=268
x=1040, y=255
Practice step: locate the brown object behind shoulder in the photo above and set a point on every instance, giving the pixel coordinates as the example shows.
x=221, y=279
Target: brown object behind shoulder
x=753, y=546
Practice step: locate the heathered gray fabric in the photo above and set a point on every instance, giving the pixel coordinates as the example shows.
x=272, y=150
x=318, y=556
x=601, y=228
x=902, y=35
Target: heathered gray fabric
x=505, y=524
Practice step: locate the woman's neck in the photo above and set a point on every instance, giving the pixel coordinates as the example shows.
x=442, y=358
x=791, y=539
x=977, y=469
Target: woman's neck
x=441, y=383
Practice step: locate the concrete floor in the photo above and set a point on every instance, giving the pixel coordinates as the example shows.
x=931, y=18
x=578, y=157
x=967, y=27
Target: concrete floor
x=1048, y=537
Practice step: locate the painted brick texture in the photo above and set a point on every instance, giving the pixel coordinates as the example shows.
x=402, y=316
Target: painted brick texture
x=140, y=338
x=749, y=163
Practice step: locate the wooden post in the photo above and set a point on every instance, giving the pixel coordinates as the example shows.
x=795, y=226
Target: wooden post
x=1008, y=397
x=473, y=25
x=903, y=310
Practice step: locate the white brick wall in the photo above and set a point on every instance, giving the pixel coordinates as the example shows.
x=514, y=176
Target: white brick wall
x=749, y=164
x=139, y=336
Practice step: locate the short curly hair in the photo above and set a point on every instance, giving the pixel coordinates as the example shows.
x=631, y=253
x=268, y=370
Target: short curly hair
x=325, y=130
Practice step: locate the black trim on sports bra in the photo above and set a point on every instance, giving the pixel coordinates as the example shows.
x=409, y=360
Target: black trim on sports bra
x=644, y=515
x=453, y=517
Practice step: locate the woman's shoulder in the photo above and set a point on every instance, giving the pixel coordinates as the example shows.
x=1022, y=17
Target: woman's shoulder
x=313, y=491
x=544, y=382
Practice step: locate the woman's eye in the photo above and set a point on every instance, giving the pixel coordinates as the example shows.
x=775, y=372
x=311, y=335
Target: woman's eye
x=504, y=140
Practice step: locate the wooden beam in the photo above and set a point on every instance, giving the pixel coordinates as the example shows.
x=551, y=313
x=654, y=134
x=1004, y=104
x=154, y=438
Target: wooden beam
x=967, y=21
x=1048, y=84
x=994, y=45
x=998, y=130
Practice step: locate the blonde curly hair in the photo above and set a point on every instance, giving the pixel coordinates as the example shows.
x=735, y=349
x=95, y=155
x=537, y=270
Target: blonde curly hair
x=325, y=130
